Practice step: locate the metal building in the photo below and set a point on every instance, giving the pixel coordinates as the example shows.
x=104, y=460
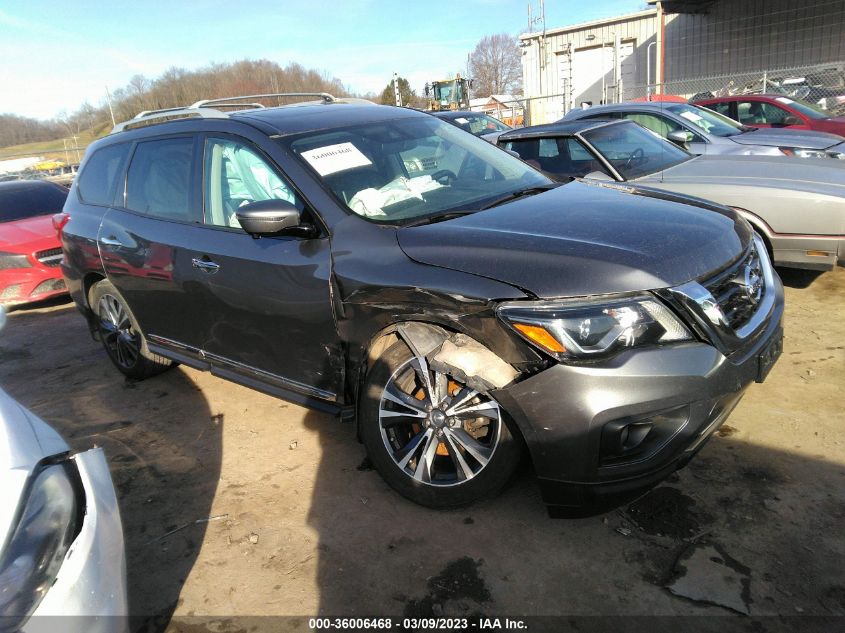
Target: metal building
x=590, y=62
x=671, y=46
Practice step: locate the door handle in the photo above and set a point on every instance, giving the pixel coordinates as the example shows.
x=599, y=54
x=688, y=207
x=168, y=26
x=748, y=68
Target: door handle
x=205, y=265
x=111, y=241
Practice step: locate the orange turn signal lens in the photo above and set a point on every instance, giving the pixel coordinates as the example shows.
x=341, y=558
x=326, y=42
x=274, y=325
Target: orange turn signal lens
x=540, y=336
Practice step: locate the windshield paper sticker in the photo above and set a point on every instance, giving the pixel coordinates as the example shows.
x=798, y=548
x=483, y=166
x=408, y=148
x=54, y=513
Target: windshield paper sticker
x=462, y=120
x=784, y=100
x=691, y=116
x=334, y=158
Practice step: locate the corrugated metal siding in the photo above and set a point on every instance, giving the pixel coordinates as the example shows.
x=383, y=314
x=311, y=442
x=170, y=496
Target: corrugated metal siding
x=754, y=35
x=545, y=78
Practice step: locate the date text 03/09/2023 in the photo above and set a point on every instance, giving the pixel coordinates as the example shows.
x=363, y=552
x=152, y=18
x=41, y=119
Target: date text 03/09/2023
x=418, y=624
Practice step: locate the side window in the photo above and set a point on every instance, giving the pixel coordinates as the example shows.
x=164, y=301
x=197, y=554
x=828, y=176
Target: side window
x=751, y=112
x=603, y=115
x=528, y=150
x=98, y=181
x=662, y=125
x=159, y=179
x=582, y=162
x=548, y=148
x=235, y=175
x=658, y=124
x=721, y=108
x=577, y=151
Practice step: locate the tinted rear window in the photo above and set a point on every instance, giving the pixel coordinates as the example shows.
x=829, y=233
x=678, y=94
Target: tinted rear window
x=98, y=181
x=19, y=200
x=159, y=179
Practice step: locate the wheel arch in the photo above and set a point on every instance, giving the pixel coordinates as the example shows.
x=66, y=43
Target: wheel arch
x=450, y=345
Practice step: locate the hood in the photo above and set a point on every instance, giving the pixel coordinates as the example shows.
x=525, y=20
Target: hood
x=28, y=234
x=813, y=175
x=777, y=137
x=583, y=239
x=25, y=440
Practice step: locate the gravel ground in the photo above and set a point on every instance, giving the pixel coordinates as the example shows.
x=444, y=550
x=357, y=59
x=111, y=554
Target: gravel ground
x=238, y=504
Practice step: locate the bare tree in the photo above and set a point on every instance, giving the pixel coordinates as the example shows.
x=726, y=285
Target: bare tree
x=496, y=65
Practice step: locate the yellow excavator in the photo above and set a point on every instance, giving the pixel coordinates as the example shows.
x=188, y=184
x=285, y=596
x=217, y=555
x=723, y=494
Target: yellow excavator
x=448, y=94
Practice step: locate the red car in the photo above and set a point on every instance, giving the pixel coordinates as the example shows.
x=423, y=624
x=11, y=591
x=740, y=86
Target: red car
x=775, y=111
x=30, y=252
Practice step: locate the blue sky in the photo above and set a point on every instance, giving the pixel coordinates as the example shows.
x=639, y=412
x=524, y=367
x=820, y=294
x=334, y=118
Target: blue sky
x=55, y=55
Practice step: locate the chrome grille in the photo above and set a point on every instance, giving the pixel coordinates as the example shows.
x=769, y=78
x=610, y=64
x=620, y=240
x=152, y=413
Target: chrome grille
x=51, y=257
x=740, y=289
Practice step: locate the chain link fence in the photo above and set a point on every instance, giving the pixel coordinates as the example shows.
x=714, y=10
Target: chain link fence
x=822, y=85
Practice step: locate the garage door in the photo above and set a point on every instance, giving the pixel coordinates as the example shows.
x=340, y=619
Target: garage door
x=590, y=64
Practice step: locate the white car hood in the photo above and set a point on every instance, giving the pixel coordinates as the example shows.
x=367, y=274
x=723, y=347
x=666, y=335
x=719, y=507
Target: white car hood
x=25, y=440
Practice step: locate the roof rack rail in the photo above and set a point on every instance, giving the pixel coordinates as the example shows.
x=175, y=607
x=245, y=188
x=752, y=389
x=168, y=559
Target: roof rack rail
x=325, y=96
x=208, y=108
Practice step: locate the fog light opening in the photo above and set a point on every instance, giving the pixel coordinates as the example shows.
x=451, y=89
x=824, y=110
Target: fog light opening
x=630, y=440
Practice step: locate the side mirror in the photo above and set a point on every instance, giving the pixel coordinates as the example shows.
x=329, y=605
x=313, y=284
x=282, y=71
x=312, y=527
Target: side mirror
x=273, y=217
x=680, y=137
x=791, y=120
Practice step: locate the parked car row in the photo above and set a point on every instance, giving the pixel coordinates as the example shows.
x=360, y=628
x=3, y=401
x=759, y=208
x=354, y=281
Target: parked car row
x=596, y=295
x=769, y=191
x=703, y=131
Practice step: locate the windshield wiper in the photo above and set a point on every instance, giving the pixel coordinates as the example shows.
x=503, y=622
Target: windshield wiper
x=530, y=191
x=438, y=217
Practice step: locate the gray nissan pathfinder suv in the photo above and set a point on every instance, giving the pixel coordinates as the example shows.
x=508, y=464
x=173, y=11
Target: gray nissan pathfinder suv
x=452, y=302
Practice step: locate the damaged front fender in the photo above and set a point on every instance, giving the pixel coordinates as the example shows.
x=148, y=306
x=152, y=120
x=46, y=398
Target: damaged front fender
x=458, y=355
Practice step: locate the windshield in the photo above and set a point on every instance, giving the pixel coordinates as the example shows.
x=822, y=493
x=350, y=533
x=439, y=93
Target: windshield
x=444, y=91
x=807, y=109
x=707, y=120
x=479, y=124
x=633, y=150
x=397, y=170
x=20, y=200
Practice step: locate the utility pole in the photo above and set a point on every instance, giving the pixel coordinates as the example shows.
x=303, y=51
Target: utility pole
x=396, y=94
x=108, y=100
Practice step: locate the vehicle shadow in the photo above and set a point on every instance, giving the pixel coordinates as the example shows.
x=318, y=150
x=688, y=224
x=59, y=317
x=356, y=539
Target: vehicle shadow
x=798, y=278
x=160, y=438
x=765, y=518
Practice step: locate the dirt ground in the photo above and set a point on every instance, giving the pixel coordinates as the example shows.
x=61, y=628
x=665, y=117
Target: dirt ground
x=236, y=503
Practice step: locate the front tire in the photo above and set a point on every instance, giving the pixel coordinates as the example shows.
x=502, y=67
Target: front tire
x=121, y=337
x=433, y=439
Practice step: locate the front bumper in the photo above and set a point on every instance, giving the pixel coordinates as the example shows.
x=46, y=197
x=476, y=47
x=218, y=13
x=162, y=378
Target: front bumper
x=89, y=594
x=26, y=285
x=582, y=422
x=813, y=252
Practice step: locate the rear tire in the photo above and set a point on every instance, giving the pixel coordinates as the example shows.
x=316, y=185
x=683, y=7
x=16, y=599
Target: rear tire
x=436, y=442
x=121, y=336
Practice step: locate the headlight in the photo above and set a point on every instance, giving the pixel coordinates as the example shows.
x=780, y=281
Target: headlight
x=584, y=329
x=805, y=153
x=32, y=558
x=14, y=260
